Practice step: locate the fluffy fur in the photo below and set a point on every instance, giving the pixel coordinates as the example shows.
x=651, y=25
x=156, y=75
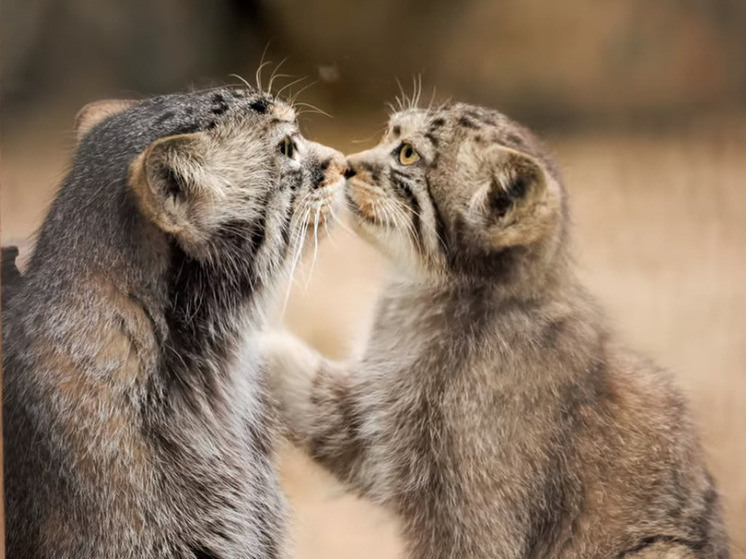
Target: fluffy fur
x=492, y=409
x=136, y=418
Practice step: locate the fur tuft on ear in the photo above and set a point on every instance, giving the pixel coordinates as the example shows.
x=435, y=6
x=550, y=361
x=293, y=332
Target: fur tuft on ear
x=520, y=201
x=514, y=178
x=98, y=111
x=174, y=189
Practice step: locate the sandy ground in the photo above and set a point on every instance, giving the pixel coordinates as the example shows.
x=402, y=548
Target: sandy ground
x=660, y=233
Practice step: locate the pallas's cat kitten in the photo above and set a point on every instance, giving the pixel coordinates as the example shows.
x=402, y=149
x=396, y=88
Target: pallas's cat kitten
x=136, y=418
x=492, y=410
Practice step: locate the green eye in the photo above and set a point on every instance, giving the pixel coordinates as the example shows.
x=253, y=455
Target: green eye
x=287, y=147
x=408, y=155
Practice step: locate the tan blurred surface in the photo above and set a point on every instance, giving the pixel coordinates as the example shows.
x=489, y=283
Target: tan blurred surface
x=660, y=233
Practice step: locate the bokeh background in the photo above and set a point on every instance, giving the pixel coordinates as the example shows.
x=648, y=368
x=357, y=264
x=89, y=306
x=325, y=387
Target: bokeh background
x=643, y=103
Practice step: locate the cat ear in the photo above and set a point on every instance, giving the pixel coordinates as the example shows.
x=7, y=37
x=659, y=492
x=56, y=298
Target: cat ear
x=173, y=186
x=98, y=111
x=520, y=199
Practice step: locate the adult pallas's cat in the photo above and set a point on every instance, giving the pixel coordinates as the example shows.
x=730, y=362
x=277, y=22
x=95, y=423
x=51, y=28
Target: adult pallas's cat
x=492, y=410
x=136, y=420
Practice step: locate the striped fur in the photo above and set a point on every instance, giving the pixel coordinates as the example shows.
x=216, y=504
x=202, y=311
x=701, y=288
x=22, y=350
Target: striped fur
x=492, y=409
x=136, y=417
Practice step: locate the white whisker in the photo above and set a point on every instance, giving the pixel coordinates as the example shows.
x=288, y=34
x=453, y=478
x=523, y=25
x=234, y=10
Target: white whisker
x=313, y=107
x=242, y=80
x=262, y=63
x=301, y=90
x=259, y=76
x=295, y=257
x=288, y=85
x=275, y=74
x=315, y=246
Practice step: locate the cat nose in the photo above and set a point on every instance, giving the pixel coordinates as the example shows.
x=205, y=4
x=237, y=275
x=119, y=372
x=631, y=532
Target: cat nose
x=349, y=172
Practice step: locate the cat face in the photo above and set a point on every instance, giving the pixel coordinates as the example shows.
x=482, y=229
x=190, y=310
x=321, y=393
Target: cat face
x=225, y=173
x=452, y=189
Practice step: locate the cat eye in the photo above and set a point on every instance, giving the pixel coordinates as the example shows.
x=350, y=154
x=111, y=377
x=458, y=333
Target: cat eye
x=408, y=155
x=287, y=147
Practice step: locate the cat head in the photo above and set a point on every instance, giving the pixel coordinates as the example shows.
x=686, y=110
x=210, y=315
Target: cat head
x=225, y=173
x=458, y=190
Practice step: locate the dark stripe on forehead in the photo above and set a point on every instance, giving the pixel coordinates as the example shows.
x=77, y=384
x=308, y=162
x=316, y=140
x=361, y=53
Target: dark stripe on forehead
x=437, y=123
x=396, y=130
x=481, y=116
x=259, y=105
x=168, y=115
x=433, y=140
x=466, y=122
x=514, y=139
x=219, y=104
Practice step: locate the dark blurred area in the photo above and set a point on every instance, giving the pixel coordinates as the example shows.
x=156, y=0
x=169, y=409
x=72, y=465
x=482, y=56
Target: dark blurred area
x=556, y=63
x=643, y=103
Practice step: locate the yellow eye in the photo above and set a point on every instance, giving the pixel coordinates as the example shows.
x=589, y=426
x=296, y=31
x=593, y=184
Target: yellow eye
x=408, y=155
x=287, y=147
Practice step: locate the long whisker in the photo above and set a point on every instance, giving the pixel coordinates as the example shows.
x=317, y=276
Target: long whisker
x=426, y=223
x=286, y=86
x=315, y=245
x=373, y=136
x=275, y=74
x=262, y=63
x=432, y=100
x=312, y=107
x=327, y=231
x=401, y=219
x=301, y=90
x=402, y=97
x=295, y=257
x=395, y=214
x=242, y=80
x=259, y=75
x=419, y=90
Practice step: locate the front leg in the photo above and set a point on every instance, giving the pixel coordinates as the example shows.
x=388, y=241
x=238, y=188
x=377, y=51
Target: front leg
x=316, y=398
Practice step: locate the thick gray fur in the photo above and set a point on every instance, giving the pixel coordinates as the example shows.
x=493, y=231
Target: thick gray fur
x=136, y=419
x=492, y=409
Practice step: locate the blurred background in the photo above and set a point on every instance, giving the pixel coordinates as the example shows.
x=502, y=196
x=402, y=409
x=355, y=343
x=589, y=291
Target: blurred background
x=643, y=103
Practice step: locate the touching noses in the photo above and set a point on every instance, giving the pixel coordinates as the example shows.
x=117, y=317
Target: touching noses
x=354, y=166
x=332, y=166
